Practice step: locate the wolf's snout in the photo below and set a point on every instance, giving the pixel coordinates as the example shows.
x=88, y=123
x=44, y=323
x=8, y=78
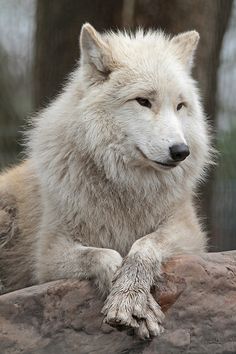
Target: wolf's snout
x=179, y=152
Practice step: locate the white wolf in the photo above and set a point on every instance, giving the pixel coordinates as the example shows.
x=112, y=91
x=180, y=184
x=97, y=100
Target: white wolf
x=114, y=161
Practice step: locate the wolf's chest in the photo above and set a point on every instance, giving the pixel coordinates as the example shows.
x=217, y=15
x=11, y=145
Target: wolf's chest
x=116, y=222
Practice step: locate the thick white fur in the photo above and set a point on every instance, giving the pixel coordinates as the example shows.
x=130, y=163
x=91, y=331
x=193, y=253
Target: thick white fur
x=102, y=196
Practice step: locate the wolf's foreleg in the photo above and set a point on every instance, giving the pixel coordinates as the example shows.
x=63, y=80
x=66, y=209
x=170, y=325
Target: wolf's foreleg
x=130, y=302
x=67, y=259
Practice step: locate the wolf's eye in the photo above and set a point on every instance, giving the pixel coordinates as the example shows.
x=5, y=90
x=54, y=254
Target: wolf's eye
x=144, y=102
x=180, y=105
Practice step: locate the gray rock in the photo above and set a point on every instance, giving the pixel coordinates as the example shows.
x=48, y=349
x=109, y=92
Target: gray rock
x=198, y=295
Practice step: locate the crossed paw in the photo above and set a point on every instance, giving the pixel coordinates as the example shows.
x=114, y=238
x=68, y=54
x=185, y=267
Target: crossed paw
x=136, y=309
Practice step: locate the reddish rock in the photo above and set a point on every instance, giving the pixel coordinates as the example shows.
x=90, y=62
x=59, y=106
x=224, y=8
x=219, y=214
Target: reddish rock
x=198, y=295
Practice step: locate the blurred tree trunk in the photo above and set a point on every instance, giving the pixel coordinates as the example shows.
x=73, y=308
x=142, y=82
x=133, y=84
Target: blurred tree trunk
x=9, y=117
x=57, y=46
x=210, y=19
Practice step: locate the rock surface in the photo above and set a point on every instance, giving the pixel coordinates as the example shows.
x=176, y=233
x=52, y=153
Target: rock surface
x=198, y=295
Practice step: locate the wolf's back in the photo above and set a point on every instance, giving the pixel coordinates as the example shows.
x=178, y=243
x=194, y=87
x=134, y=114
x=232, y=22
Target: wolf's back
x=20, y=211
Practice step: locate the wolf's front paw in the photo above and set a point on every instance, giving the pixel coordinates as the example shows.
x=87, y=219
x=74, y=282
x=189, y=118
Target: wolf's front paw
x=136, y=309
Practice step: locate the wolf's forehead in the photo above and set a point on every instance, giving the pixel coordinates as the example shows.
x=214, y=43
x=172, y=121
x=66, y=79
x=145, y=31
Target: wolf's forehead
x=147, y=60
x=150, y=54
x=153, y=76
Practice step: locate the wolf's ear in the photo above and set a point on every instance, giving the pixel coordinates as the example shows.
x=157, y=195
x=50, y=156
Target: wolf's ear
x=186, y=44
x=94, y=50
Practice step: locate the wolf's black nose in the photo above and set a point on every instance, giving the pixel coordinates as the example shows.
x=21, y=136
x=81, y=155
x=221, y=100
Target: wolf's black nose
x=179, y=152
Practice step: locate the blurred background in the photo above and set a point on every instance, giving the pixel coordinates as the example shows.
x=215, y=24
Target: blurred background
x=39, y=47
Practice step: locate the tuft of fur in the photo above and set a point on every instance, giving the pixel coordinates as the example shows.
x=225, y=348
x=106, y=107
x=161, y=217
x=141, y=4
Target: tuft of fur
x=95, y=197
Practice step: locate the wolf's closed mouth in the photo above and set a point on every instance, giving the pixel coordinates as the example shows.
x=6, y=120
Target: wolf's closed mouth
x=166, y=164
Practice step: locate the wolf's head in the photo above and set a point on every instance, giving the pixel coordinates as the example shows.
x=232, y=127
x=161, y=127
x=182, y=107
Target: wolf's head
x=142, y=98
